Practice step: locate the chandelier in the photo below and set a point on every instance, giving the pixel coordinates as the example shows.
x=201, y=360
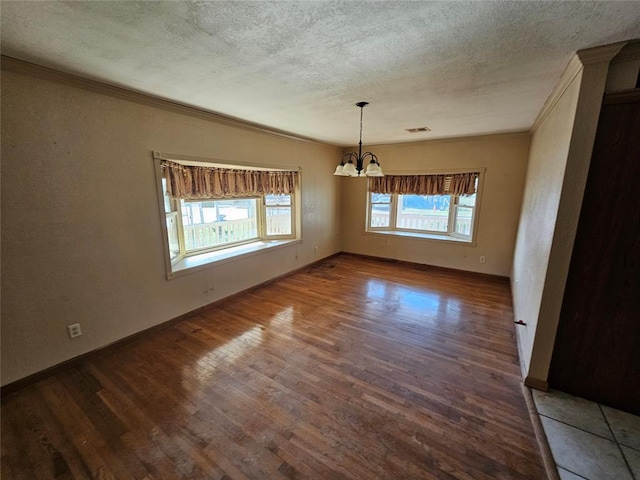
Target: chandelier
x=352, y=165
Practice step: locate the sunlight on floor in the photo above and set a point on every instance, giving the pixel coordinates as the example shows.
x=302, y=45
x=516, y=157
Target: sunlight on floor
x=233, y=350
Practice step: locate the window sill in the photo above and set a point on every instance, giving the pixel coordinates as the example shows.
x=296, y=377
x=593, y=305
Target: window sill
x=194, y=263
x=423, y=236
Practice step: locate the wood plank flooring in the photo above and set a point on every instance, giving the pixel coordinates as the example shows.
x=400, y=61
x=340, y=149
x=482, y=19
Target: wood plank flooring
x=350, y=369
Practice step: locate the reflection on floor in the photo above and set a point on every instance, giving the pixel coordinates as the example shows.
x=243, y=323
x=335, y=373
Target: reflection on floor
x=589, y=440
x=352, y=368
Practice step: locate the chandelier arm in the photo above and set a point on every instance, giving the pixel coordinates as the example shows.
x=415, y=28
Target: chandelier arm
x=359, y=158
x=349, y=156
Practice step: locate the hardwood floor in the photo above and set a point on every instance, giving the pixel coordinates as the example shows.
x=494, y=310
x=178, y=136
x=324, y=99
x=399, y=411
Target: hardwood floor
x=350, y=369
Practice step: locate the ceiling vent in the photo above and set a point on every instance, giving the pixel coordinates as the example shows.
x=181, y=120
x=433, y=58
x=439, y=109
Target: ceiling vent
x=417, y=130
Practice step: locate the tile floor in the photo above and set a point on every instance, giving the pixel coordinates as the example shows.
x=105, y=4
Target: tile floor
x=588, y=440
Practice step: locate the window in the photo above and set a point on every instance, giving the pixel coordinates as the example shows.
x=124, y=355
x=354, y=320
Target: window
x=380, y=211
x=447, y=217
x=278, y=215
x=210, y=224
x=205, y=230
x=428, y=213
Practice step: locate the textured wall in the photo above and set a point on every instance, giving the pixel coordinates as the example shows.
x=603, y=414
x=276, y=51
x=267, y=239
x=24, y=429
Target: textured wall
x=81, y=235
x=558, y=167
x=545, y=174
x=503, y=156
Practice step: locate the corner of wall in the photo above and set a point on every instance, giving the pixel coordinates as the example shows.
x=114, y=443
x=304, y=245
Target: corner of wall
x=541, y=298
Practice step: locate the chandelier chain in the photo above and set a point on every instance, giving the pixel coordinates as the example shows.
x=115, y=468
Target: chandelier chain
x=352, y=164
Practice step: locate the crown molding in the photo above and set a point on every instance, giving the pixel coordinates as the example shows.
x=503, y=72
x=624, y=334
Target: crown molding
x=470, y=137
x=588, y=56
x=573, y=68
x=629, y=53
x=603, y=53
x=11, y=64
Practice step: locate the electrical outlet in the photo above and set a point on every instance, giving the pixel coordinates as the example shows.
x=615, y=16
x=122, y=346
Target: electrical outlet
x=315, y=249
x=74, y=330
x=483, y=259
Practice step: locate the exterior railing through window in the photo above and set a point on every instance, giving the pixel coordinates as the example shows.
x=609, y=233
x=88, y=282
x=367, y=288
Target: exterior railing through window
x=206, y=235
x=432, y=221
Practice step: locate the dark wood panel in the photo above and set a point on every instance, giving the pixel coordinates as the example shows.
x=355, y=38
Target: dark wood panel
x=350, y=369
x=597, y=349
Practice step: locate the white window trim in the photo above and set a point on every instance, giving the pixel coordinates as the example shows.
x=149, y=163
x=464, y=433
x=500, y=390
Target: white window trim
x=450, y=236
x=203, y=259
x=294, y=218
x=453, y=214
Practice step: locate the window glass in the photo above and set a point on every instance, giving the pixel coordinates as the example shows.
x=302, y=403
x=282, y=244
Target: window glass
x=210, y=223
x=380, y=198
x=172, y=233
x=166, y=198
x=467, y=200
x=464, y=218
x=277, y=200
x=423, y=212
x=278, y=215
x=380, y=210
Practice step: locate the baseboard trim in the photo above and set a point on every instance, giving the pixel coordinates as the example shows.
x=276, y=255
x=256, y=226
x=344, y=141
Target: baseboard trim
x=541, y=437
x=17, y=385
x=13, y=387
x=424, y=266
x=536, y=383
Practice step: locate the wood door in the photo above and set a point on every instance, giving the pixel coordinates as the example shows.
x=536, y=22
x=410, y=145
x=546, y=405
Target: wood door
x=597, y=350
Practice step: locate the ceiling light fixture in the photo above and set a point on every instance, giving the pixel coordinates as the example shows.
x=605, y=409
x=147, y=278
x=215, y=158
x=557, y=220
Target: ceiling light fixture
x=347, y=168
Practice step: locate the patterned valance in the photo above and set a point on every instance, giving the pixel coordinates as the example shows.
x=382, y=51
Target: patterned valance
x=198, y=182
x=441, y=184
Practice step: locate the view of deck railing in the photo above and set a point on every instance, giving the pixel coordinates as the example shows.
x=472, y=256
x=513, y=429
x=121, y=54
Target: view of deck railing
x=433, y=221
x=205, y=235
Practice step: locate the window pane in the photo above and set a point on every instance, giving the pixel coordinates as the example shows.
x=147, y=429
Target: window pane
x=380, y=198
x=167, y=198
x=172, y=234
x=278, y=220
x=277, y=199
x=464, y=217
x=423, y=212
x=380, y=214
x=467, y=201
x=211, y=223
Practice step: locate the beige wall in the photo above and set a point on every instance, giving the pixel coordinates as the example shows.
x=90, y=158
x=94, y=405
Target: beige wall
x=503, y=156
x=558, y=167
x=81, y=235
x=545, y=174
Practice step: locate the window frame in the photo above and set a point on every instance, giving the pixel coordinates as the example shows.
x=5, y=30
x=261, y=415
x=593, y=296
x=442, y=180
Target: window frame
x=261, y=242
x=454, y=216
x=393, y=226
x=392, y=214
x=213, y=248
x=450, y=235
x=263, y=211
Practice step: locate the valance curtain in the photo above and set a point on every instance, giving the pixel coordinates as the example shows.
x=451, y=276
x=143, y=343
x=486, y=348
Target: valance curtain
x=198, y=182
x=442, y=184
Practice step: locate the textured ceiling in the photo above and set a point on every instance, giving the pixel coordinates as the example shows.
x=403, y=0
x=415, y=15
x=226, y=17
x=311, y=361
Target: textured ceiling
x=460, y=68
